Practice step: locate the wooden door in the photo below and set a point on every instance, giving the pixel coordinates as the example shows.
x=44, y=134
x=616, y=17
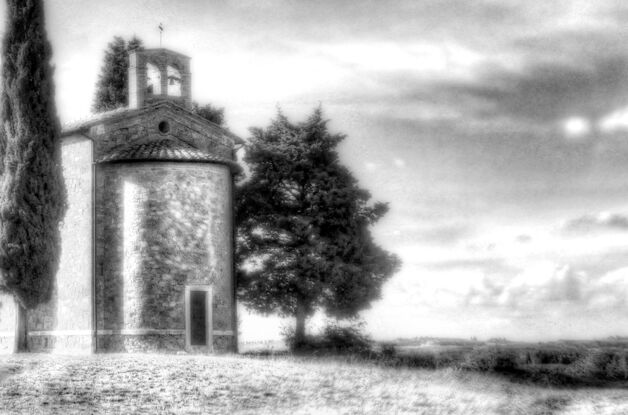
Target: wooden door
x=198, y=318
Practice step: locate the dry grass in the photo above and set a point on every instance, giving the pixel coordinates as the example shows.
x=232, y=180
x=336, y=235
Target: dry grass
x=155, y=384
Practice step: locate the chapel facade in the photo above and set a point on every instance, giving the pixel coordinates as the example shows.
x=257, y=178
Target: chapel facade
x=147, y=240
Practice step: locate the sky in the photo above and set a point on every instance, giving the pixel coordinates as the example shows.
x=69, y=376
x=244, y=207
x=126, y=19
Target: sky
x=497, y=130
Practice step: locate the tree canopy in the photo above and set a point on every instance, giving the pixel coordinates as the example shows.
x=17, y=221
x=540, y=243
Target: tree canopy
x=210, y=113
x=32, y=195
x=303, y=226
x=112, y=86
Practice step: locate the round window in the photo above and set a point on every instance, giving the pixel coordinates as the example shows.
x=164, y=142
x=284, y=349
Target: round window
x=164, y=127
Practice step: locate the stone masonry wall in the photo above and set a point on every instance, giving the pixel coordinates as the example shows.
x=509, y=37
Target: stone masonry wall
x=161, y=59
x=161, y=226
x=65, y=322
x=7, y=323
x=118, y=132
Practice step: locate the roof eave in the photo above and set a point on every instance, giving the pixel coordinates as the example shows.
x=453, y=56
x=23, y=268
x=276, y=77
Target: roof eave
x=82, y=127
x=234, y=166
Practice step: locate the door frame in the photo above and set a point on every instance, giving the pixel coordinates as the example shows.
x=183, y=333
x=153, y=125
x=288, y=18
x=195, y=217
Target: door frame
x=208, y=322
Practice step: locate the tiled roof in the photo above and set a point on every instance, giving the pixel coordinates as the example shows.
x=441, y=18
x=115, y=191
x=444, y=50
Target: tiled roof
x=79, y=124
x=164, y=149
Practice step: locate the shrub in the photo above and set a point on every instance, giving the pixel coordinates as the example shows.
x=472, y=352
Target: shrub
x=425, y=360
x=335, y=338
x=451, y=358
x=308, y=344
x=554, y=355
x=601, y=364
x=492, y=359
x=349, y=339
x=388, y=350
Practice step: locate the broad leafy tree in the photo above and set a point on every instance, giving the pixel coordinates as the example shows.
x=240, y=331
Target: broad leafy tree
x=210, y=113
x=32, y=196
x=303, y=227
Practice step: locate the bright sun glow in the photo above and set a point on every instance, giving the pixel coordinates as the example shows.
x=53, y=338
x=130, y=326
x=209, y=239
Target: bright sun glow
x=576, y=127
x=617, y=120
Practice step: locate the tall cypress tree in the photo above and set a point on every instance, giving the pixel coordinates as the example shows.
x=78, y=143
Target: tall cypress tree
x=112, y=86
x=32, y=194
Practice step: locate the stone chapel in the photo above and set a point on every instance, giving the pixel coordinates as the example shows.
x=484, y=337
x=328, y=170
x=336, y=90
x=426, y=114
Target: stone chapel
x=147, y=240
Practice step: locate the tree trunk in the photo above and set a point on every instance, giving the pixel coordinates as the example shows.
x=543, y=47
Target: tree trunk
x=20, y=328
x=299, y=332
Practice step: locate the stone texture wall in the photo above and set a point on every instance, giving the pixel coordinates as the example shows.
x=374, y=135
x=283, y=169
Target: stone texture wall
x=163, y=342
x=7, y=323
x=68, y=315
x=183, y=126
x=161, y=226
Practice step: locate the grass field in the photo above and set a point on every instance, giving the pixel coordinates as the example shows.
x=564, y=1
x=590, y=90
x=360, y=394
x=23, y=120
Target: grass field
x=154, y=384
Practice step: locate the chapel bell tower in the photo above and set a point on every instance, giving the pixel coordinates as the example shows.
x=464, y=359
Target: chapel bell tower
x=159, y=74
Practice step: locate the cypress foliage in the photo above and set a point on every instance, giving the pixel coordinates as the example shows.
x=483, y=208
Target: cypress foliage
x=32, y=194
x=112, y=86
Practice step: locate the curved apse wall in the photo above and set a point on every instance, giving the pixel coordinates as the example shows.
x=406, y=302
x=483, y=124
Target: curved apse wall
x=167, y=225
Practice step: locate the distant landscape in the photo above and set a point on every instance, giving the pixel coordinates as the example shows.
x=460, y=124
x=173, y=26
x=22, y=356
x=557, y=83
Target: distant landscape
x=440, y=342
x=564, y=363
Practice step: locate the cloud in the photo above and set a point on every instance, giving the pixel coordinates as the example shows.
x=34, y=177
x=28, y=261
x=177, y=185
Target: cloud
x=601, y=222
x=537, y=77
x=523, y=294
x=370, y=166
x=562, y=289
x=400, y=163
x=402, y=19
x=601, y=263
x=567, y=285
x=546, y=92
x=488, y=266
x=443, y=235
